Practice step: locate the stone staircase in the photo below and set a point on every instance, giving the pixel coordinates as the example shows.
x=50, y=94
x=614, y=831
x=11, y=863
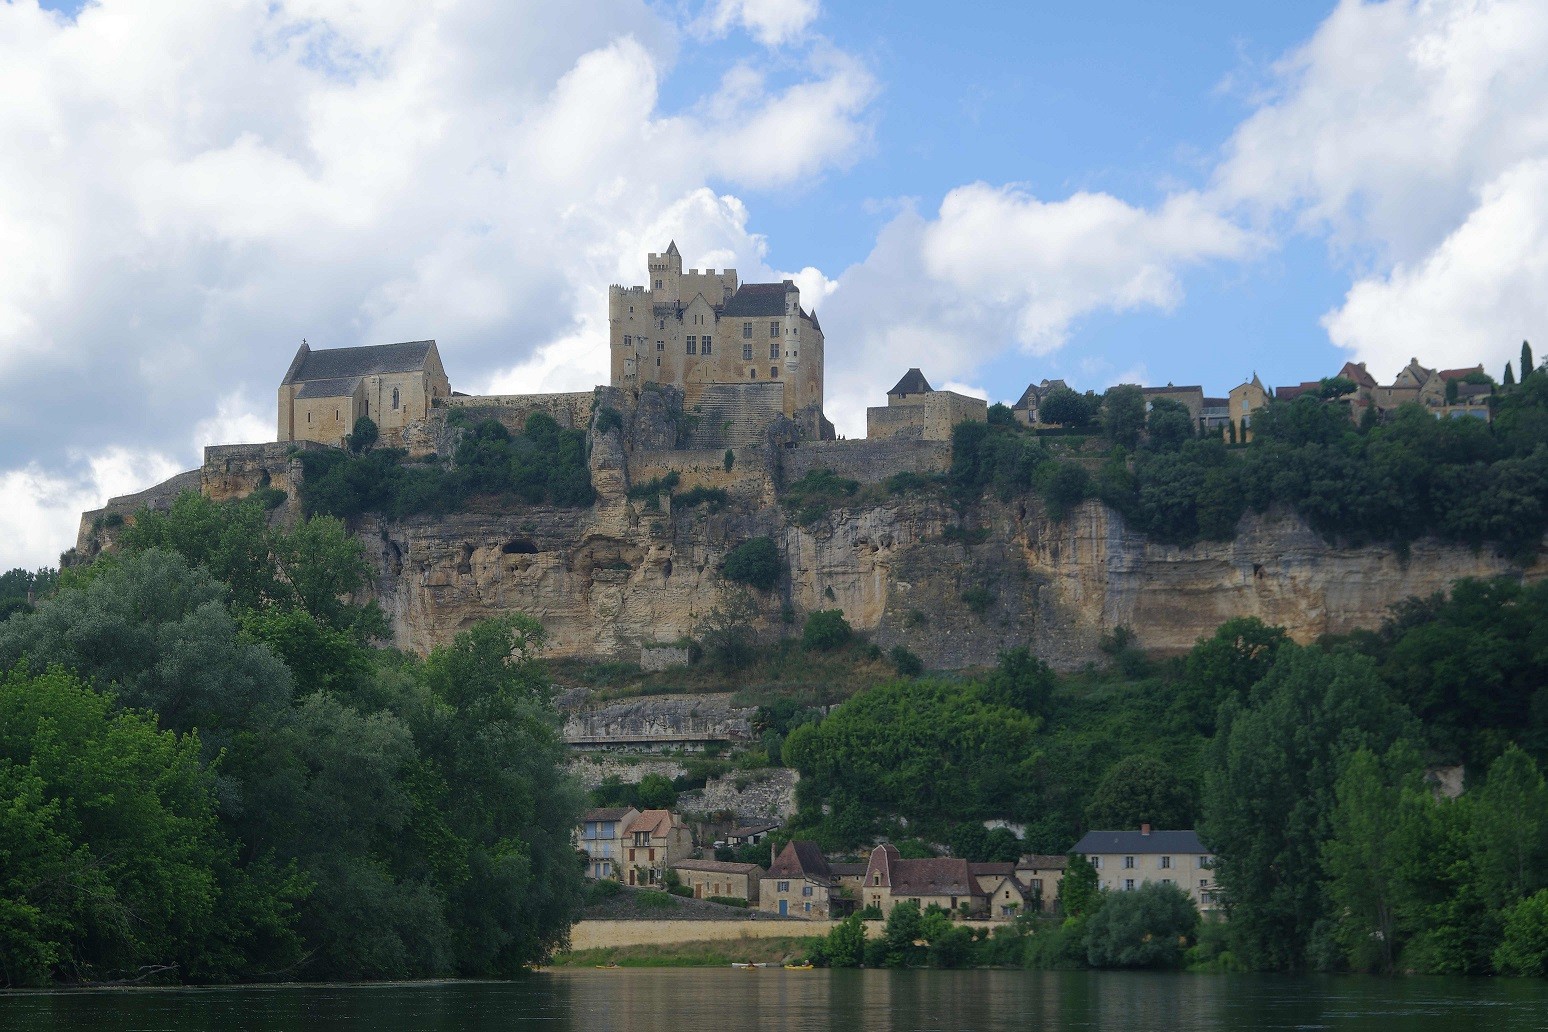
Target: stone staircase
x=733, y=415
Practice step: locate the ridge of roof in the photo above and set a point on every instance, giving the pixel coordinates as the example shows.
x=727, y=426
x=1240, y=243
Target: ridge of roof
x=913, y=382
x=1176, y=841
x=367, y=360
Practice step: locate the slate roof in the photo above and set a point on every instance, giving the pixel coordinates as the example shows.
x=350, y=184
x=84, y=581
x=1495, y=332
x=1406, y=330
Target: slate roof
x=913, y=382
x=719, y=867
x=752, y=829
x=1137, y=842
x=758, y=299
x=1042, y=862
x=847, y=870
x=336, y=363
x=938, y=876
x=1170, y=389
x=1474, y=390
x=607, y=813
x=1291, y=393
x=339, y=387
x=800, y=859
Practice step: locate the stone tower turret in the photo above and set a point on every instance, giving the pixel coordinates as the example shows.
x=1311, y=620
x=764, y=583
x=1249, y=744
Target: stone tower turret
x=666, y=274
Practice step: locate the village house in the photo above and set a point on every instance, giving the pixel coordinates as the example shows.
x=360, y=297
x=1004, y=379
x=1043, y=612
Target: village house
x=947, y=882
x=752, y=834
x=1125, y=860
x=800, y=883
x=1028, y=407
x=1245, y=400
x=600, y=835
x=653, y=840
x=1040, y=874
x=1190, y=398
x=325, y=392
x=917, y=411
x=715, y=878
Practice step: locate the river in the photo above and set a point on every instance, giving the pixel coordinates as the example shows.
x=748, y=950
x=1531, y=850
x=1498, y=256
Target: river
x=888, y=1001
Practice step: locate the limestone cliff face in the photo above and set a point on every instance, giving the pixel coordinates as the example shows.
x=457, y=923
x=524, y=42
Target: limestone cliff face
x=606, y=581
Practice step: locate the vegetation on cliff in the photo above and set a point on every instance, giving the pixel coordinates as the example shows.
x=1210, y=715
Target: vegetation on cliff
x=1460, y=479
x=543, y=464
x=208, y=773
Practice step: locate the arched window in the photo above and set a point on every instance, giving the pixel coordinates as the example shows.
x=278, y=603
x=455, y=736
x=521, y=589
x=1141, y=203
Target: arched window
x=395, y=399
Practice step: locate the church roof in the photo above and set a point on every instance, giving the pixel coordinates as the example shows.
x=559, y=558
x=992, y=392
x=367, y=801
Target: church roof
x=336, y=363
x=337, y=387
x=758, y=299
x=913, y=382
x=672, y=249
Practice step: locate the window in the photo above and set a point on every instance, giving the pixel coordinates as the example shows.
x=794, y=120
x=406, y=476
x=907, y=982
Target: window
x=1128, y=863
x=660, y=345
x=658, y=284
x=876, y=878
x=395, y=398
x=1166, y=863
x=693, y=344
x=1203, y=883
x=1037, y=885
x=783, y=886
x=806, y=890
x=747, y=331
x=774, y=329
x=773, y=373
x=628, y=341
x=308, y=417
x=631, y=856
x=1206, y=862
x=653, y=855
x=368, y=408
x=706, y=345
x=746, y=352
x=1128, y=885
x=1096, y=863
x=808, y=907
x=1166, y=881
x=660, y=324
x=773, y=351
x=753, y=373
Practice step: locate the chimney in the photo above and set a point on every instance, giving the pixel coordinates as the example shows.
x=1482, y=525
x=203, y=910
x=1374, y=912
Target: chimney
x=1145, y=828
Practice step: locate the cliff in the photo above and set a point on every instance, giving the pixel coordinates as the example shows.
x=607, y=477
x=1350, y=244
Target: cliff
x=626, y=573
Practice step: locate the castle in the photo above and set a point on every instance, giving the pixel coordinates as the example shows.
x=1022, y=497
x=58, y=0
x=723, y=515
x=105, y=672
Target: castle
x=748, y=350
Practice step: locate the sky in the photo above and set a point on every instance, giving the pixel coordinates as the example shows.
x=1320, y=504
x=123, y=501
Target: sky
x=1111, y=191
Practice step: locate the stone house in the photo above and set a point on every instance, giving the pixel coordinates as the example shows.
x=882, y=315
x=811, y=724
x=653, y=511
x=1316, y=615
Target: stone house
x=751, y=834
x=800, y=883
x=707, y=878
x=917, y=411
x=654, y=839
x=1245, y=400
x=325, y=392
x=1125, y=860
x=1028, y=407
x=1190, y=398
x=1040, y=874
x=947, y=882
x=600, y=835
x=749, y=351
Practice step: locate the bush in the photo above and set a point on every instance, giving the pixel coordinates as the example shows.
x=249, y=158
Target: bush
x=598, y=891
x=364, y=435
x=825, y=630
x=1151, y=927
x=908, y=664
x=712, y=498
x=817, y=494
x=608, y=419
x=754, y=563
x=978, y=600
x=653, y=899
x=1524, y=950
x=654, y=487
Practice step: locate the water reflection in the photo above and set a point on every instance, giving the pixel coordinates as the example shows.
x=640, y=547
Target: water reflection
x=781, y=1001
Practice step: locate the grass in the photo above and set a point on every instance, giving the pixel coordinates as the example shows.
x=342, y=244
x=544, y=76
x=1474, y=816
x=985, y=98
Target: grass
x=775, y=950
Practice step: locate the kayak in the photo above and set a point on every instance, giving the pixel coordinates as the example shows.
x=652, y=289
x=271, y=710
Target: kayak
x=800, y=967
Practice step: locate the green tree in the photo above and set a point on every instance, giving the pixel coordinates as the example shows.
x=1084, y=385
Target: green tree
x=1001, y=415
x=1524, y=951
x=1225, y=666
x=1064, y=407
x=1169, y=425
x=1151, y=927
x=1509, y=834
x=655, y=792
x=364, y=435
x=1141, y=790
x=1527, y=365
x=1509, y=379
x=845, y=945
x=905, y=925
x=1123, y=414
x=727, y=635
x=1080, y=892
x=825, y=630
x=754, y=563
x=1270, y=792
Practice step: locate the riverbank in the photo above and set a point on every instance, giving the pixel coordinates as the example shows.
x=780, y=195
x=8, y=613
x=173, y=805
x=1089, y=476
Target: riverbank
x=778, y=949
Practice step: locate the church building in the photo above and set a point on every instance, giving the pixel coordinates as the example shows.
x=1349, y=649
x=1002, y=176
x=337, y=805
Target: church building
x=324, y=392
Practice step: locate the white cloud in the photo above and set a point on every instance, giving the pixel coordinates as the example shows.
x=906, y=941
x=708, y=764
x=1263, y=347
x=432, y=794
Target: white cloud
x=197, y=187
x=43, y=508
x=772, y=22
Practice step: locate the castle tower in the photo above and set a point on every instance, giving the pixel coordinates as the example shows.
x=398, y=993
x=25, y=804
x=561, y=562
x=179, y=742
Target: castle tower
x=666, y=274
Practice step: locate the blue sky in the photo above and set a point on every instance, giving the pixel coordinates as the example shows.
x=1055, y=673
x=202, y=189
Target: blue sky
x=1102, y=191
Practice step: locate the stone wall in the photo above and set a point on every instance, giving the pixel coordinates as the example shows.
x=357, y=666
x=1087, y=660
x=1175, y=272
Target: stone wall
x=929, y=417
x=592, y=768
x=99, y=527
x=570, y=411
x=869, y=462
x=663, y=657
x=657, y=721
x=748, y=477
x=762, y=795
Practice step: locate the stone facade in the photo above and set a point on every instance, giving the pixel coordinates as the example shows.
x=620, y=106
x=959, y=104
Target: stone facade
x=708, y=878
x=915, y=410
x=325, y=392
x=698, y=330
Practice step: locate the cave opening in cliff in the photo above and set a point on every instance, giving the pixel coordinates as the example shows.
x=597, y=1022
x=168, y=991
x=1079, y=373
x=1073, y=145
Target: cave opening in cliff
x=519, y=546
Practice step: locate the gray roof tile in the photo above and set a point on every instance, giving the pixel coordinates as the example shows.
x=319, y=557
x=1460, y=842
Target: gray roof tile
x=367, y=361
x=913, y=382
x=338, y=387
x=757, y=299
x=1133, y=842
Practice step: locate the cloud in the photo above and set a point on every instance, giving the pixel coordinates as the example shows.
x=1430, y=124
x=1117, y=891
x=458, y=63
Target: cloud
x=771, y=22
x=198, y=187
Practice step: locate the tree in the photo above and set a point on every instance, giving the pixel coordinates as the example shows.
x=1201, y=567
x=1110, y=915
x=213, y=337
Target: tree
x=1063, y=407
x=1169, y=425
x=1509, y=379
x=1151, y=927
x=904, y=926
x=1527, y=365
x=907, y=663
x=1524, y=951
x=1080, y=892
x=825, y=630
x=1123, y=414
x=1509, y=835
x=363, y=436
x=1270, y=792
x=1332, y=387
x=1141, y=790
x=727, y=634
x=845, y=945
x=1001, y=415
x=1021, y=680
x=754, y=563
x=655, y=792
x=1224, y=666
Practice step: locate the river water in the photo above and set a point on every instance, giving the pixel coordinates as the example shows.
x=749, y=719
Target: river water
x=888, y=1001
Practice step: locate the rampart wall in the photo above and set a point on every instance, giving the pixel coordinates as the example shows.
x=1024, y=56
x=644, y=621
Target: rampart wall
x=869, y=462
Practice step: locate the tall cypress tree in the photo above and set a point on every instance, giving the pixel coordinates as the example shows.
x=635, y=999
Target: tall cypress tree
x=1527, y=368
x=1509, y=379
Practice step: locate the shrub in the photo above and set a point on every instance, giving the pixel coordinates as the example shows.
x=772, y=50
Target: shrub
x=364, y=435
x=908, y=664
x=730, y=460
x=978, y=600
x=825, y=630
x=608, y=419
x=1524, y=950
x=712, y=498
x=1151, y=927
x=654, y=487
x=653, y=899
x=754, y=563
x=818, y=493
